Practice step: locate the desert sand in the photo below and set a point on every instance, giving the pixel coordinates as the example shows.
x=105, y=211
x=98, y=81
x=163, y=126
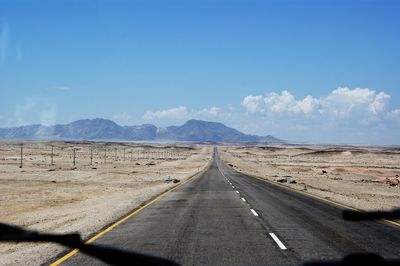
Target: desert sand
x=361, y=177
x=107, y=181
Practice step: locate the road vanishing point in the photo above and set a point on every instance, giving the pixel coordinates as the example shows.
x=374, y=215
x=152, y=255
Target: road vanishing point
x=223, y=217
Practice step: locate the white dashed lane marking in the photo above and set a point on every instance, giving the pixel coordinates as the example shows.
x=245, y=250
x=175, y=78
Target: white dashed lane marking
x=274, y=237
x=254, y=212
x=277, y=241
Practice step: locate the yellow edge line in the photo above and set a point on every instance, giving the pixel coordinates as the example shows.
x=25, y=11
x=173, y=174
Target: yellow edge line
x=91, y=240
x=317, y=197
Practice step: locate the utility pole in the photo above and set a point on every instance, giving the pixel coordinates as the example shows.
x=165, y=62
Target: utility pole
x=74, y=157
x=91, y=156
x=22, y=145
x=52, y=151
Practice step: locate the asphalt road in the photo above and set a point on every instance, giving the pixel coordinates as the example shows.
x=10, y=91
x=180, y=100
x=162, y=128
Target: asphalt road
x=223, y=217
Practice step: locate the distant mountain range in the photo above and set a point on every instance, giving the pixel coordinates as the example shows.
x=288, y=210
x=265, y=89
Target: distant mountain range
x=103, y=129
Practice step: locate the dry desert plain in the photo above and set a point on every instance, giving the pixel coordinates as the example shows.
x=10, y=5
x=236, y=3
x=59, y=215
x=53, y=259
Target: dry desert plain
x=107, y=181
x=110, y=179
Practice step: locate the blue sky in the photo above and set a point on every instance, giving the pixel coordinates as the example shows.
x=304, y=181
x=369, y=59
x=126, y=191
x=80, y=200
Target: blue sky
x=315, y=71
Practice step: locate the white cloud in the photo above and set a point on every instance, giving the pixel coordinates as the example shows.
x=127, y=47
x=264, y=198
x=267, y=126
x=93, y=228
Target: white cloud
x=121, y=117
x=3, y=42
x=341, y=102
x=173, y=113
x=352, y=96
x=285, y=102
x=347, y=115
x=378, y=105
x=253, y=103
x=307, y=104
x=278, y=103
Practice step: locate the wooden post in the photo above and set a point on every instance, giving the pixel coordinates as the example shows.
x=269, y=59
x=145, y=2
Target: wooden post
x=91, y=156
x=124, y=154
x=74, y=157
x=52, y=151
x=105, y=155
x=22, y=145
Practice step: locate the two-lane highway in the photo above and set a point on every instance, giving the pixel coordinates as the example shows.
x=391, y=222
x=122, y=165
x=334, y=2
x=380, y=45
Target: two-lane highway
x=223, y=217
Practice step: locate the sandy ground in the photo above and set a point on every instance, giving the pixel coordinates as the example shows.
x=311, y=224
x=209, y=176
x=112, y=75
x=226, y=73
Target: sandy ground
x=355, y=176
x=107, y=181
